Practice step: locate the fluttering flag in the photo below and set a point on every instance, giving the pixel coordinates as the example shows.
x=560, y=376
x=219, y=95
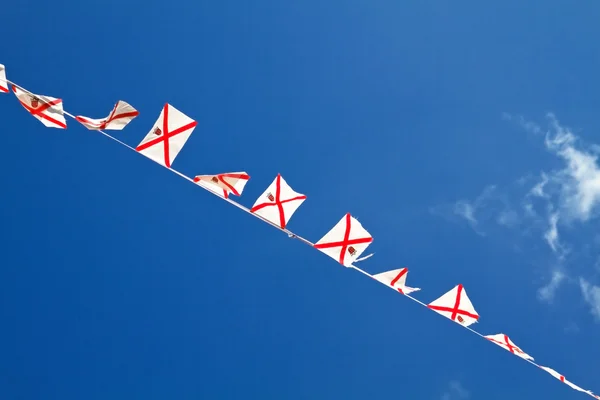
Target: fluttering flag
x=3, y=81
x=396, y=279
x=45, y=108
x=121, y=115
x=504, y=341
x=278, y=203
x=230, y=182
x=456, y=305
x=561, y=378
x=346, y=241
x=167, y=137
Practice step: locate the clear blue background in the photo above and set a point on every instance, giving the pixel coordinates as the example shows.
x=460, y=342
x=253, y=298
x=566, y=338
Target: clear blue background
x=119, y=280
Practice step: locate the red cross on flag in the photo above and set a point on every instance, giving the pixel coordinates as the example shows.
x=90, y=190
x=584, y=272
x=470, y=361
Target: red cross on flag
x=46, y=109
x=455, y=305
x=121, y=115
x=396, y=279
x=231, y=182
x=562, y=379
x=504, y=341
x=3, y=83
x=346, y=241
x=278, y=203
x=168, y=136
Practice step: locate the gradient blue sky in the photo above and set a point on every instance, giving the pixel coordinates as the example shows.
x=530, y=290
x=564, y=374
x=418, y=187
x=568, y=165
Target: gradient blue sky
x=119, y=280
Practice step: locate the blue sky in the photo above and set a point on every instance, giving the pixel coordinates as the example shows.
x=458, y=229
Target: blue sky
x=426, y=120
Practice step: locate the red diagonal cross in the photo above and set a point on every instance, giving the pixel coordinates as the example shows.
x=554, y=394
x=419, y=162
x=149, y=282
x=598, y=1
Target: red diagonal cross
x=455, y=310
x=3, y=89
x=166, y=135
x=278, y=202
x=344, y=243
x=230, y=187
x=506, y=343
x=38, y=111
x=110, y=118
x=403, y=272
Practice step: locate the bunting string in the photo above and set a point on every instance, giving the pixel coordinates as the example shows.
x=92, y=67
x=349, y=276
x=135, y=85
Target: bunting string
x=345, y=242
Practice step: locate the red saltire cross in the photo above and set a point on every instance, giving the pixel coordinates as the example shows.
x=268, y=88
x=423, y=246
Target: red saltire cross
x=455, y=310
x=506, y=343
x=278, y=202
x=403, y=272
x=221, y=177
x=346, y=242
x=39, y=111
x=110, y=118
x=166, y=135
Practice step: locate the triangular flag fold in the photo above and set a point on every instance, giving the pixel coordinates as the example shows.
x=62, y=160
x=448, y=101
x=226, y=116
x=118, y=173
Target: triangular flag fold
x=121, y=115
x=167, y=137
x=396, y=279
x=346, y=241
x=504, y=341
x=278, y=203
x=456, y=305
x=224, y=184
x=48, y=110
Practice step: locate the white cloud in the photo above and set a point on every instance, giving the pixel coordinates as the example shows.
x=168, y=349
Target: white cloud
x=548, y=292
x=455, y=391
x=591, y=294
x=554, y=205
x=551, y=234
x=578, y=183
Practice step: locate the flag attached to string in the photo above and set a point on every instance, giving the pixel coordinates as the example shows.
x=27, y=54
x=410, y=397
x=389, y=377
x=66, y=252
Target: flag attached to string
x=48, y=110
x=504, y=341
x=120, y=116
x=346, y=241
x=278, y=203
x=230, y=182
x=456, y=305
x=3, y=81
x=167, y=137
x=396, y=279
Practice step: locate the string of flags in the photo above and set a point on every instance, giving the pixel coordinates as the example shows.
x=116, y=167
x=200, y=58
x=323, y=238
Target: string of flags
x=345, y=242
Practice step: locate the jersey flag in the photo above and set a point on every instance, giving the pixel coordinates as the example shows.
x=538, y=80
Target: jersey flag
x=121, y=115
x=231, y=182
x=561, y=378
x=3, y=82
x=456, y=305
x=168, y=136
x=46, y=109
x=278, y=203
x=346, y=241
x=396, y=279
x=504, y=341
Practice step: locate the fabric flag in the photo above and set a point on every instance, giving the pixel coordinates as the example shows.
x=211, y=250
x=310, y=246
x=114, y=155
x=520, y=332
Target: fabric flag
x=3, y=82
x=563, y=380
x=346, y=241
x=46, y=109
x=504, y=341
x=278, y=203
x=231, y=182
x=121, y=115
x=396, y=279
x=168, y=136
x=456, y=305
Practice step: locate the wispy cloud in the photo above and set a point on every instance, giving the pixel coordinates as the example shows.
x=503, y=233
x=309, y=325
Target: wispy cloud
x=455, y=391
x=591, y=295
x=552, y=206
x=548, y=292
